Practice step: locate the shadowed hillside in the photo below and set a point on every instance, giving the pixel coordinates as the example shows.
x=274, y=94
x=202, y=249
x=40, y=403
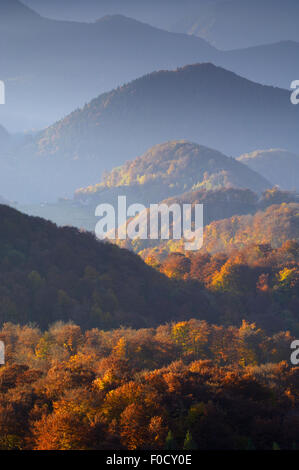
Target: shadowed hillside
x=49, y=274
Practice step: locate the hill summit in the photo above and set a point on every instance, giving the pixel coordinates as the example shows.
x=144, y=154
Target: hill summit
x=172, y=168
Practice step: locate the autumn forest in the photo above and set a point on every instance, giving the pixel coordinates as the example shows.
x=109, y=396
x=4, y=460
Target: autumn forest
x=122, y=344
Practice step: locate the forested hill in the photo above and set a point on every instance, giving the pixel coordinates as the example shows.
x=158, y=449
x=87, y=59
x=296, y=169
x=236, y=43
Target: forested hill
x=273, y=226
x=170, y=169
x=49, y=274
x=64, y=64
x=201, y=103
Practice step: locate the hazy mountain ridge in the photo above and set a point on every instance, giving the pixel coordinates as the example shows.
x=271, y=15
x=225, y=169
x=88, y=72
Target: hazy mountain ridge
x=273, y=64
x=243, y=23
x=228, y=24
x=41, y=56
x=280, y=166
x=164, y=171
x=149, y=343
x=50, y=66
x=161, y=13
x=14, y=10
x=190, y=103
x=175, y=167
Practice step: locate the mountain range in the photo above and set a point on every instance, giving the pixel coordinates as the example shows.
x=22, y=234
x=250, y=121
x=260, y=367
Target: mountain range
x=170, y=169
x=201, y=103
x=280, y=166
x=164, y=171
x=228, y=24
x=50, y=67
x=243, y=23
x=161, y=13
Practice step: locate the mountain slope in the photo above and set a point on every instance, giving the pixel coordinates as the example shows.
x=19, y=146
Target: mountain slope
x=49, y=274
x=273, y=226
x=170, y=169
x=161, y=13
x=280, y=166
x=201, y=103
x=272, y=64
x=50, y=67
x=243, y=23
x=16, y=11
x=164, y=171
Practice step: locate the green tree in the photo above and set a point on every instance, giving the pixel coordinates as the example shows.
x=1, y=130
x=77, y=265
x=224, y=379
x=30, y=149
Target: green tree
x=189, y=444
x=170, y=443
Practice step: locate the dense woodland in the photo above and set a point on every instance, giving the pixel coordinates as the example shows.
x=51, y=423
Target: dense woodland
x=271, y=219
x=49, y=274
x=188, y=385
x=208, y=367
x=215, y=373
x=140, y=344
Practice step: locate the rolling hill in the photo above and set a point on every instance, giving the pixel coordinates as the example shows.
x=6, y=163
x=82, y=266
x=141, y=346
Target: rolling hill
x=280, y=166
x=170, y=169
x=49, y=274
x=273, y=226
x=164, y=171
x=201, y=103
x=51, y=67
